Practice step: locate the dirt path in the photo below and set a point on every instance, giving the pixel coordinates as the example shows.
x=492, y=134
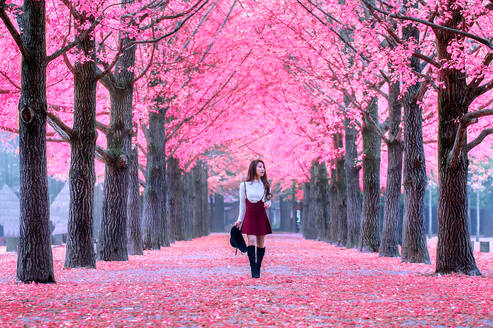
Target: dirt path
x=202, y=283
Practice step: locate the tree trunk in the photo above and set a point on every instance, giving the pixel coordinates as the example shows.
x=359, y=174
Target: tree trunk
x=153, y=198
x=113, y=234
x=308, y=223
x=174, y=199
x=205, y=199
x=34, y=256
x=188, y=198
x=341, y=195
x=319, y=202
x=218, y=213
x=284, y=212
x=196, y=201
x=390, y=233
x=80, y=243
x=454, y=249
x=134, y=233
x=166, y=233
x=414, y=247
x=370, y=237
x=353, y=192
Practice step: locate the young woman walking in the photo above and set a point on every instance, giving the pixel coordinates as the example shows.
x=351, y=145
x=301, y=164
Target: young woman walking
x=254, y=200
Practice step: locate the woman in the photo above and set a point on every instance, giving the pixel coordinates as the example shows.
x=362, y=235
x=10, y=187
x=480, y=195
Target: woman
x=254, y=199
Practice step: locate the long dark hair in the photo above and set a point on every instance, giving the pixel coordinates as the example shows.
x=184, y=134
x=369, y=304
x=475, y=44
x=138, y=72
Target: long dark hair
x=252, y=174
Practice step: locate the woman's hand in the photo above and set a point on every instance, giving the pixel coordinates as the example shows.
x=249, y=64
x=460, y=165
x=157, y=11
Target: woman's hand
x=238, y=223
x=267, y=205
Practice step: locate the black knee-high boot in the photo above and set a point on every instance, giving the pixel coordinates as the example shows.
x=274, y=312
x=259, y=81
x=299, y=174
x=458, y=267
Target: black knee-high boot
x=251, y=257
x=260, y=257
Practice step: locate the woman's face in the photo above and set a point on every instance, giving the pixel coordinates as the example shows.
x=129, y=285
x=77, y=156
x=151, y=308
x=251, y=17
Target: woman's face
x=260, y=169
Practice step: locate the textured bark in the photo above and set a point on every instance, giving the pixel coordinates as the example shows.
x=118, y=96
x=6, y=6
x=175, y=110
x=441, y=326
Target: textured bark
x=112, y=244
x=353, y=192
x=307, y=224
x=341, y=195
x=189, y=215
x=166, y=234
x=389, y=245
x=196, y=201
x=333, y=201
x=218, y=213
x=454, y=249
x=205, y=199
x=153, y=198
x=34, y=257
x=80, y=243
x=414, y=247
x=174, y=204
x=134, y=233
x=294, y=207
x=285, y=210
x=370, y=237
x=319, y=202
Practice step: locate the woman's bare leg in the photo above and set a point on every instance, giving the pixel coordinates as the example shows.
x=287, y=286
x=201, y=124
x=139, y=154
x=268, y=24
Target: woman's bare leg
x=260, y=241
x=251, y=240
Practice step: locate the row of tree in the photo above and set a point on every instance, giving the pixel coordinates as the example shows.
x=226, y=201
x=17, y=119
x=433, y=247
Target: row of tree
x=166, y=189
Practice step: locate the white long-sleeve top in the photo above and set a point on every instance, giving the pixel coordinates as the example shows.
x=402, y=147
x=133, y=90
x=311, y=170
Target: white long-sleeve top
x=255, y=192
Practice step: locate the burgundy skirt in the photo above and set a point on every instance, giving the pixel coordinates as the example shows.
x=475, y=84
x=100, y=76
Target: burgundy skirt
x=256, y=221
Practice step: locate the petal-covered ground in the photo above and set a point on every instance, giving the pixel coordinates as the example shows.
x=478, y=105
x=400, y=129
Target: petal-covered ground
x=202, y=283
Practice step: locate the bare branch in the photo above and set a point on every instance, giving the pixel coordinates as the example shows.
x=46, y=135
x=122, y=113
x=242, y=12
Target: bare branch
x=148, y=64
x=187, y=119
x=108, y=68
x=103, y=128
x=63, y=130
x=478, y=114
x=57, y=140
x=432, y=25
x=102, y=155
x=13, y=31
x=9, y=129
x=481, y=90
x=453, y=155
x=170, y=17
x=72, y=44
x=479, y=139
x=10, y=80
x=477, y=81
x=176, y=29
x=427, y=59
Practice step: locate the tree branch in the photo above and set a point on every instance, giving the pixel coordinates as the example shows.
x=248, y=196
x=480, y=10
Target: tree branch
x=102, y=127
x=478, y=114
x=432, y=25
x=108, y=68
x=8, y=129
x=72, y=44
x=479, y=139
x=148, y=64
x=178, y=26
x=63, y=130
x=102, y=155
x=10, y=80
x=477, y=81
x=12, y=30
x=187, y=119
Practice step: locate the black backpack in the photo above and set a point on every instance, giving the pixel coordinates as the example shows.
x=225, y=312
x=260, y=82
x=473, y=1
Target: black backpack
x=236, y=240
